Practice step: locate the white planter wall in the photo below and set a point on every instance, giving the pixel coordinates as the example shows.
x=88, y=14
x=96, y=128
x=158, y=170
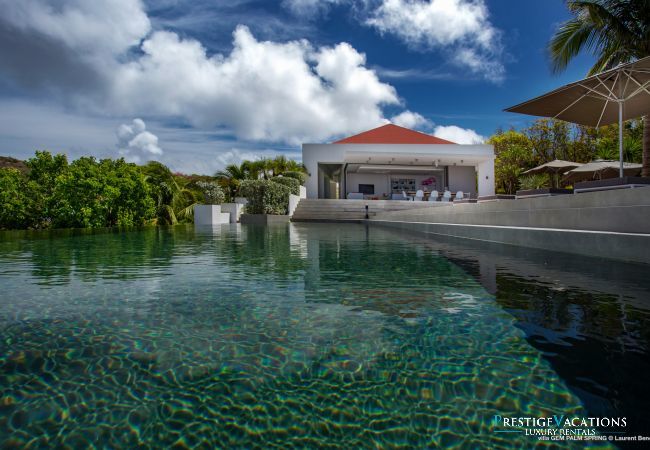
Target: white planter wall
x=293, y=203
x=210, y=215
x=234, y=209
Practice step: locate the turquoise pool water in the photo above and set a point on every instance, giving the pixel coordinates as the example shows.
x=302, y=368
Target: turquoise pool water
x=309, y=336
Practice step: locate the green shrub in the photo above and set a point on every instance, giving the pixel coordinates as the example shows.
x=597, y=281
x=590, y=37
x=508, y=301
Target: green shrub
x=15, y=207
x=212, y=192
x=291, y=183
x=535, y=181
x=265, y=197
x=104, y=193
x=300, y=176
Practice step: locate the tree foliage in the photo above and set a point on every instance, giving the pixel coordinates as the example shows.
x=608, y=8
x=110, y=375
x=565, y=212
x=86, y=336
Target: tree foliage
x=212, y=193
x=17, y=209
x=514, y=154
x=173, y=203
x=232, y=176
x=549, y=139
x=104, y=193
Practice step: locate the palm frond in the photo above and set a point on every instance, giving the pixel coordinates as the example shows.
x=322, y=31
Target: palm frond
x=186, y=213
x=607, y=28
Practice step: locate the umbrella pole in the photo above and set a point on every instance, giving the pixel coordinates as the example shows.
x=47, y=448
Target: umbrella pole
x=620, y=136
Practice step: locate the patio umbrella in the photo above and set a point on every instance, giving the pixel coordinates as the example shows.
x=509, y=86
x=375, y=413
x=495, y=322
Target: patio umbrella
x=554, y=168
x=613, y=95
x=597, y=170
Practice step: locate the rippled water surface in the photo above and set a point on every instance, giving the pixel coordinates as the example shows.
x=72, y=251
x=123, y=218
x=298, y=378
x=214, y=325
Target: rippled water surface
x=310, y=336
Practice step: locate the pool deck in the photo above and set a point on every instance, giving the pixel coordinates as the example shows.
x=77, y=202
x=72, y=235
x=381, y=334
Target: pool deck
x=609, y=224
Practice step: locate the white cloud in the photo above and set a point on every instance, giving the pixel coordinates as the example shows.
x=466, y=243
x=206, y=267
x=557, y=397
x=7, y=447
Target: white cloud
x=460, y=27
x=410, y=119
x=288, y=92
x=458, y=135
x=109, y=63
x=89, y=27
x=309, y=8
x=134, y=142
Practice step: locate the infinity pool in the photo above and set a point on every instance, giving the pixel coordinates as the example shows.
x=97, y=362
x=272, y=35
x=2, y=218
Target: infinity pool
x=310, y=336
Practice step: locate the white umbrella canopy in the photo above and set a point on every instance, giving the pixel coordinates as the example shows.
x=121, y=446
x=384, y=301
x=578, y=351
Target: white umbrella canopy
x=597, y=170
x=553, y=167
x=614, y=95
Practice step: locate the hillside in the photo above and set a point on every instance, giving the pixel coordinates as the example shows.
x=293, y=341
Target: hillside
x=8, y=161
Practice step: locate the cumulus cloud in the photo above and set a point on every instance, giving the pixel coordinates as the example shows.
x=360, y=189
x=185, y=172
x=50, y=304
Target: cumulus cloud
x=270, y=91
x=460, y=27
x=410, y=119
x=458, y=135
x=134, y=142
x=97, y=27
x=287, y=92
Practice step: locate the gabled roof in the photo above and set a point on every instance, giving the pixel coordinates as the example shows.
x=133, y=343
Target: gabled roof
x=392, y=134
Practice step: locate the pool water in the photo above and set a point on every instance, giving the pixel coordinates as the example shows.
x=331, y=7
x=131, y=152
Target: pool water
x=308, y=336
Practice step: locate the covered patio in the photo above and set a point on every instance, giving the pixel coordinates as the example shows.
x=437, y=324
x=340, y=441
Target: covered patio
x=370, y=168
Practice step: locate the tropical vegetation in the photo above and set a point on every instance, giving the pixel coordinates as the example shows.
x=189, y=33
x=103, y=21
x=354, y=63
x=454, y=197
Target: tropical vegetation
x=265, y=196
x=232, y=176
x=547, y=139
x=615, y=31
x=47, y=191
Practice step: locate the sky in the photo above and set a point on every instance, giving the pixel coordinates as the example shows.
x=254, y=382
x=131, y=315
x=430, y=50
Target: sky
x=199, y=84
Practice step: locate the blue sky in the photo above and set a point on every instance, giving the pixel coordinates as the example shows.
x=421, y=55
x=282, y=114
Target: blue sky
x=198, y=84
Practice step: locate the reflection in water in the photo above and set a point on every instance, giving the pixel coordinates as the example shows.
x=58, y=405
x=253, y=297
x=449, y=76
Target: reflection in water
x=305, y=336
x=590, y=317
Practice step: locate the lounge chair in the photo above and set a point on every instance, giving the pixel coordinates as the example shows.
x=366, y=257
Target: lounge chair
x=459, y=196
x=419, y=196
x=446, y=196
x=406, y=197
x=434, y=196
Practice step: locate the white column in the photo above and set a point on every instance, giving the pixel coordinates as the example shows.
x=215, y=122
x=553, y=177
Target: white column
x=486, y=178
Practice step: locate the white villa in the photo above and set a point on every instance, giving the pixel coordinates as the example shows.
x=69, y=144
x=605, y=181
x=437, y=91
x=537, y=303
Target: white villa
x=385, y=162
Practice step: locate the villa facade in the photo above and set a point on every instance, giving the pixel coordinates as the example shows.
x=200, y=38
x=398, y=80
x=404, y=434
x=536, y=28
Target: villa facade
x=385, y=162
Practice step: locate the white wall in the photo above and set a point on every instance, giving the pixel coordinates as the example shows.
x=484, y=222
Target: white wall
x=462, y=178
x=486, y=178
x=312, y=154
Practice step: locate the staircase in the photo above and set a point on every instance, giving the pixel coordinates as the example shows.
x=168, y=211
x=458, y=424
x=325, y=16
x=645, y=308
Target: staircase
x=326, y=210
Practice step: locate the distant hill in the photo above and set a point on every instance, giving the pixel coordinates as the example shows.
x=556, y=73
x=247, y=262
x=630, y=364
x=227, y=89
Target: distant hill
x=8, y=161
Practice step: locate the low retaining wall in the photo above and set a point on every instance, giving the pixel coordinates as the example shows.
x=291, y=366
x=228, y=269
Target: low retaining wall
x=607, y=224
x=623, y=211
x=263, y=219
x=611, y=245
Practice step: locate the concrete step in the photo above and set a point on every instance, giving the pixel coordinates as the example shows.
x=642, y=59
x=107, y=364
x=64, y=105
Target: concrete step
x=342, y=210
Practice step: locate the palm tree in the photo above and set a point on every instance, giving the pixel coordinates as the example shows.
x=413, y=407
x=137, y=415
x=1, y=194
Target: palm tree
x=172, y=201
x=232, y=176
x=281, y=164
x=615, y=31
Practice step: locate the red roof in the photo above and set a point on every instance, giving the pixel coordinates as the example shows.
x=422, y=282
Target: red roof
x=392, y=134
